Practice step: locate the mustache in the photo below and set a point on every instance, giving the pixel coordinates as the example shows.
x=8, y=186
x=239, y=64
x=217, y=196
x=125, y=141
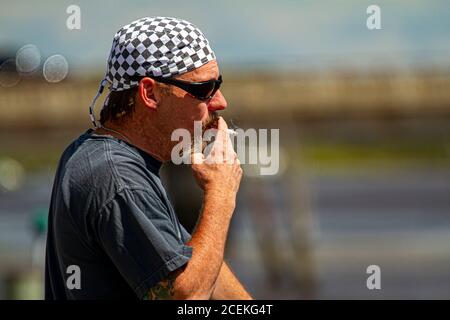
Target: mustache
x=211, y=122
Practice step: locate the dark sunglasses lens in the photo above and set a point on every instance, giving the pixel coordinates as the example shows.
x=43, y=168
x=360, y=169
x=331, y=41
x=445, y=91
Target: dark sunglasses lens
x=217, y=86
x=203, y=90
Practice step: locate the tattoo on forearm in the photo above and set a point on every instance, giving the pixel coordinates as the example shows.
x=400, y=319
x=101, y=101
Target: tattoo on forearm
x=164, y=290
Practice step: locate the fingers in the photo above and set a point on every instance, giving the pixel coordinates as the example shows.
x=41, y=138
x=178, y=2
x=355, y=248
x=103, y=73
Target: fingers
x=222, y=138
x=222, y=150
x=197, y=158
x=222, y=125
x=224, y=143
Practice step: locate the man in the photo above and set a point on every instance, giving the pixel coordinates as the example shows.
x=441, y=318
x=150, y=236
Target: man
x=110, y=219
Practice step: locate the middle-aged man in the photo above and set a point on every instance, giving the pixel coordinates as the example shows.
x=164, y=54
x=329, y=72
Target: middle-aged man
x=112, y=230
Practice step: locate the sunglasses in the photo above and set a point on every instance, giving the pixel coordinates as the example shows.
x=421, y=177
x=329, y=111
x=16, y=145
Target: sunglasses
x=203, y=91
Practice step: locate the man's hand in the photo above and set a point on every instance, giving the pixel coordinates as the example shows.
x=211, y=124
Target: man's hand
x=219, y=175
x=220, y=172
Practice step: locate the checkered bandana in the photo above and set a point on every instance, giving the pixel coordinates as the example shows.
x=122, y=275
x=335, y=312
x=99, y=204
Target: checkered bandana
x=159, y=46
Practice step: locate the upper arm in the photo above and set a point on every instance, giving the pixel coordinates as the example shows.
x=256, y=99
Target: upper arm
x=136, y=232
x=165, y=289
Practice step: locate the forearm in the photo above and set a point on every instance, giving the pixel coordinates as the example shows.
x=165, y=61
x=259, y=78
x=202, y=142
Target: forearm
x=198, y=279
x=228, y=286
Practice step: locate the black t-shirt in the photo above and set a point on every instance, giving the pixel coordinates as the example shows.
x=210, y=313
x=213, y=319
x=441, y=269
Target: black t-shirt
x=110, y=217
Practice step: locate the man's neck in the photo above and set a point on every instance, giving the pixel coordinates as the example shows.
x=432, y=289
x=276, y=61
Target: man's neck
x=155, y=148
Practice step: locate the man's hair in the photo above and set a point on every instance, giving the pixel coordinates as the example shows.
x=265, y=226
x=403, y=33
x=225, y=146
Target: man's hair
x=120, y=104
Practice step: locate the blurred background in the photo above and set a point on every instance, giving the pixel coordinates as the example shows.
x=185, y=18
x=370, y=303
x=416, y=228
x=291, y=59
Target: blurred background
x=364, y=119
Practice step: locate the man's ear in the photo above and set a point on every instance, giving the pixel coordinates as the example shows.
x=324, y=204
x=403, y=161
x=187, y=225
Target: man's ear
x=146, y=92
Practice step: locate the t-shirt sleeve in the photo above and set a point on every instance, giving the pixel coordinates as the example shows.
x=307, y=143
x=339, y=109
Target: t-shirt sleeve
x=185, y=234
x=136, y=232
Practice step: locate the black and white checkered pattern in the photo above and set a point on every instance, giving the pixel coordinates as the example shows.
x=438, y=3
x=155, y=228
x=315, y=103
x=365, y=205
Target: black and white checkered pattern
x=160, y=46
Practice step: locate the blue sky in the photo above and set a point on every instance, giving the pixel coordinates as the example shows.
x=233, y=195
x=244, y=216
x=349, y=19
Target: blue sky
x=245, y=34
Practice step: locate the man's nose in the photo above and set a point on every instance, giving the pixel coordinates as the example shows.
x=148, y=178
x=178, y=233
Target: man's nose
x=217, y=102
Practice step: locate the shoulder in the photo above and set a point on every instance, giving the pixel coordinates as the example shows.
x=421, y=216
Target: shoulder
x=129, y=167
x=109, y=158
x=100, y=168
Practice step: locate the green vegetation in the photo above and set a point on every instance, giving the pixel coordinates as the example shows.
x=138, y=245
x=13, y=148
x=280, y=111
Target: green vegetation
x=378, y=154
x=313, y=154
